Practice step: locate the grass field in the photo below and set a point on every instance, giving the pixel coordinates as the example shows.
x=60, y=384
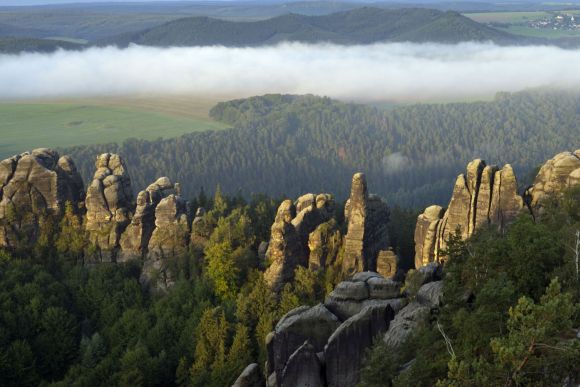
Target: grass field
x=516, y=23
x=60, y=123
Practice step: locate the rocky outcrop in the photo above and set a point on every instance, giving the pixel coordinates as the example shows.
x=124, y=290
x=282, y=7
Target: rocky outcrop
x=347, y=346
x=324, y=244
x=367, y=218
x=484, y=195
x=33, y=185
x=109, y=205
x=289, y=241
x=314, y=325
x=324, y=345
x=364, y=289
x=303, y=368
x=387, y=263
x=405, y=323
x=250, y=377
x=169, y=239
x=426, y=235
x=557, y=174
x=135, y=239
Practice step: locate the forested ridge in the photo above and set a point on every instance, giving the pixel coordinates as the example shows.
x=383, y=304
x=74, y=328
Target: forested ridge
x=359, y=26
x=285, y=145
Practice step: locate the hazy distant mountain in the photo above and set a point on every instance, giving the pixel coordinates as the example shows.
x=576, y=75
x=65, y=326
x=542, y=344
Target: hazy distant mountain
x=17, y=45
x=358, y=26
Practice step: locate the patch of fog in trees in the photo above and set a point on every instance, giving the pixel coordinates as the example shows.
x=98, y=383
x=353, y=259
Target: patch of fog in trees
x=380, y=72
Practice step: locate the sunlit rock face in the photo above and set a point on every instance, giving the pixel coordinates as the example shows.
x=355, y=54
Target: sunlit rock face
x=32, y=185
x=109, y=205
x=560, y=172
x=485, y=195
x=135, y=239
x=169, y=239
x=297, y=235
x=367, y=218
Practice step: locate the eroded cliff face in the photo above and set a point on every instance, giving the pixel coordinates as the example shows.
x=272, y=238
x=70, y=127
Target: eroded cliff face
x=484, y=195
x=135, y=239
x=291, y=237
x=367, y=217
x=109, y=205
x=33, y=185
x=557, y=174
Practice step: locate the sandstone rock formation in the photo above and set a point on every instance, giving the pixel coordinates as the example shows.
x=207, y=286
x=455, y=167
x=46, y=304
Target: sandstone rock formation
x=367, y=217
x=324, y=345
x=324, y=243
x=169, y=239
x=109, y=205
x=347, y=346
x=558, y=173
x=250, y=377
x=32, y=185
x=289, y=241
x=135, y=240
x=485, y=195
x=387, y=263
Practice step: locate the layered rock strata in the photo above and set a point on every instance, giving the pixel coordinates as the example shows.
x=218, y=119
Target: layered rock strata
x=33, y=185
x=367, y=218
x=169, y=239
x=109, y=204
x=290, y=235
x=483, y=196
x=560, y=172
x=135, y=240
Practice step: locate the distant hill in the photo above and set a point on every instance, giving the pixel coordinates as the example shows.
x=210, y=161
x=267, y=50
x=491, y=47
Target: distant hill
x=358, y=26
x=17, y=45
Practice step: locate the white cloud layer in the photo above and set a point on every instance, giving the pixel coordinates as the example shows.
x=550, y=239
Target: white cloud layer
x=379, y=72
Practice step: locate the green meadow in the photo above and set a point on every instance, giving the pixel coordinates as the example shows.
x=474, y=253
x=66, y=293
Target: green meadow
x=24, y=126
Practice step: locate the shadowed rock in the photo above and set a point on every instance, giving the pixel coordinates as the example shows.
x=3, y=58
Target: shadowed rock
x=303, y=368
x=347, y=346
x=250, y=377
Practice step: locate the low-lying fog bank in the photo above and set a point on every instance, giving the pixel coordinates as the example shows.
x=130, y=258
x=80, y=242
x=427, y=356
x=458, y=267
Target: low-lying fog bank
x=397, y=72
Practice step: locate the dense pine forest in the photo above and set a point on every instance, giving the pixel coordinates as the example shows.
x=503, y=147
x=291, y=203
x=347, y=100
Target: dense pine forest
x=285, y=145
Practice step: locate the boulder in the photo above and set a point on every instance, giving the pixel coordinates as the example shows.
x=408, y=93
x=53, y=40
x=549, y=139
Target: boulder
x=109, y=205
x=347, y=346
x=404, y=323
x=431, y=294
x=33, y=185
x=303, y=368
x=314, y=324
x=250, y=377
x=364, y=289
